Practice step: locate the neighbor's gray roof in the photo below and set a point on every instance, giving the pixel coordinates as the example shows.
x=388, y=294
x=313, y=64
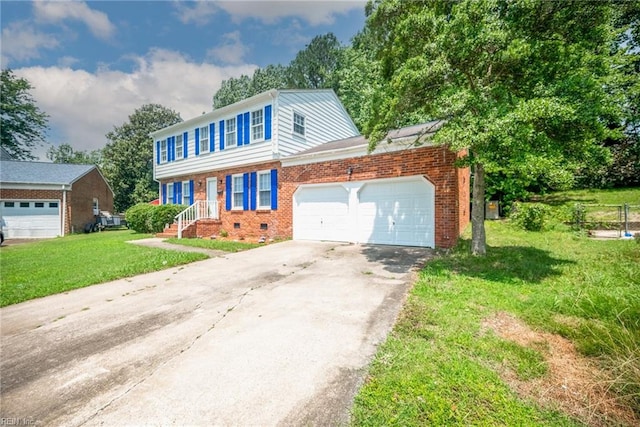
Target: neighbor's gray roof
x=41, y=173
x=357, y=141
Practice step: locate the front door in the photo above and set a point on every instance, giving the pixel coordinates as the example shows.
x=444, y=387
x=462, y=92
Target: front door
x=212, y=196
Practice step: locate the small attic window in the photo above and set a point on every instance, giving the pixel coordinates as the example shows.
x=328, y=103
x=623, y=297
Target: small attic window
x=298, y=123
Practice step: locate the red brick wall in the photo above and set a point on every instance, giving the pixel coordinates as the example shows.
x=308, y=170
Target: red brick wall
x=79, y=199
x=434, y=163
x=249, y=221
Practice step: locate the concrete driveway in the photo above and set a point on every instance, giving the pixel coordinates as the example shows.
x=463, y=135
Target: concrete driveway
x=279, y=335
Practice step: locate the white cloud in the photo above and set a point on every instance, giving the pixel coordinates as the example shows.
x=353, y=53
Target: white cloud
x=59, y=11
x=21, y=42
x=232, y=51
x=84, y=106
x=200, y=14
x=314, y=12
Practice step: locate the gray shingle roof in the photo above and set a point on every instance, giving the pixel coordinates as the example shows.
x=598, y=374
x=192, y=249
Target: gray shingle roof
x=41, y=173
x=356, y=141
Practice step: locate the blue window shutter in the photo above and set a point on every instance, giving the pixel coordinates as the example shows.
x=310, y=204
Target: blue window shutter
x=197, y=141
x=274, y=189
x=254, y=186
x=245, y=191
x=173, y=148
x=228, y=192
x=267, y=122
x=164, y=194
x=239, y=132
x=247, y=127
x=221, y=134
x=191, y=193
x=185, y=147
x=157, y=152
x=212, y=137
x=176, y=185
x=168, y=149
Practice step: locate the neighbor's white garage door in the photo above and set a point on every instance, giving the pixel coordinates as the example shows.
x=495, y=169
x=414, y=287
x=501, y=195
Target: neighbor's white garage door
x=30, y=219
x=395, y=211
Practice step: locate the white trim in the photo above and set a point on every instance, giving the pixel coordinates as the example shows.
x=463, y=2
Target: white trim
x=258, y=175
x=233, y=192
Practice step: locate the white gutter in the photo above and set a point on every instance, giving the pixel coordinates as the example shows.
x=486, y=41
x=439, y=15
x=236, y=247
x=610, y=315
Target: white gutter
x=64, y=208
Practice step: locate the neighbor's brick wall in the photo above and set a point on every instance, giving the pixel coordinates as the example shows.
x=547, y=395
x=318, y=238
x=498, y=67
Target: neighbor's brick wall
x=13, y=194
x=434, y=163
x=83, y=191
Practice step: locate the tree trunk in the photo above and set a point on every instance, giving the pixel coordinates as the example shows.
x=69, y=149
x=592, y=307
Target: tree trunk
x=478, y=236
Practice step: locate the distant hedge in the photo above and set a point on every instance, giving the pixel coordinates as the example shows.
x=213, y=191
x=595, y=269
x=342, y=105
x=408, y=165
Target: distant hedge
x=146, y=218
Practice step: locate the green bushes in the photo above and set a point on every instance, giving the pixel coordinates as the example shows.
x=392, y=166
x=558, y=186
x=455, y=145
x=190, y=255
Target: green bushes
x=145, y=218
x=530, y=216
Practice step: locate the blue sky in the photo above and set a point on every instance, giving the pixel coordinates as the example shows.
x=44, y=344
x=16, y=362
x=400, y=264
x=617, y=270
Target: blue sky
x=93, y=63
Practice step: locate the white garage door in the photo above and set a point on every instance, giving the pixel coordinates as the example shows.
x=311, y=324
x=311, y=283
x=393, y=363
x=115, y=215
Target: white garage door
x=320, y=213
x=398, y=211
x=30, y=219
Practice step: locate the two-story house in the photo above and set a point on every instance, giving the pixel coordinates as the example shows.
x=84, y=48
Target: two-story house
x=291, y=163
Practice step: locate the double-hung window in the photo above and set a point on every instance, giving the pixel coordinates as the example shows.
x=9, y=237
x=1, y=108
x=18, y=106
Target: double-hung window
x=204, y=139
x=179, y=147
x=298, y=124
x=264, y=190
x=163, y=151
x=186, y=194
x=257, y=125
x=170, y=193
x=238, y=192
x=230, y=132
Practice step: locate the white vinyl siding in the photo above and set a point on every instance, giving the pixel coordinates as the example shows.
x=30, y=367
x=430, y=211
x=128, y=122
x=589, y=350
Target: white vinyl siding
x=325, y=120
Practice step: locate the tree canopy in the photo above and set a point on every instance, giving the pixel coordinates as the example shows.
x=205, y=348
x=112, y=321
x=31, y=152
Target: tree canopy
x=128, y=156
x=521, y=84
x=23, y=124
x=66, y=154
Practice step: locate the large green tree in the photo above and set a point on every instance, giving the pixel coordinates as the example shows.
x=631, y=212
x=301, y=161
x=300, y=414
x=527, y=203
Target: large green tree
x=238, y=88
x=65, y=153
x=519, y=82
x=23, y=125
x=128, y=156
x=315, y=66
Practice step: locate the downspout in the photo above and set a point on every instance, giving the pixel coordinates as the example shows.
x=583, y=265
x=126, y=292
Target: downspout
x=64, y=209
x=274, y=126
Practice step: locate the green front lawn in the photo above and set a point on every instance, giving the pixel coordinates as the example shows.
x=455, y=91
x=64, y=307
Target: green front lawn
x=441, y=365
x=47, y=267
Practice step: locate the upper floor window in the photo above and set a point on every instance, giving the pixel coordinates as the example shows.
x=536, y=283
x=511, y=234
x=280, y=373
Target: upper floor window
x=264, y=190
x=238, y=192
x=230, y=132
x=179, y=146
x=204, y=139
x=163, y=150
x=298, y=124
x=257, y=125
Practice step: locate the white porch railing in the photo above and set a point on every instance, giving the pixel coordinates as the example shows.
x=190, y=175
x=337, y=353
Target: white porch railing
x=201, y=209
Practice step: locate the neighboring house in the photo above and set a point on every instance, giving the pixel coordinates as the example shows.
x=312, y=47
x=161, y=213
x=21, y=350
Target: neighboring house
x=291, y=163
x=50, y=199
